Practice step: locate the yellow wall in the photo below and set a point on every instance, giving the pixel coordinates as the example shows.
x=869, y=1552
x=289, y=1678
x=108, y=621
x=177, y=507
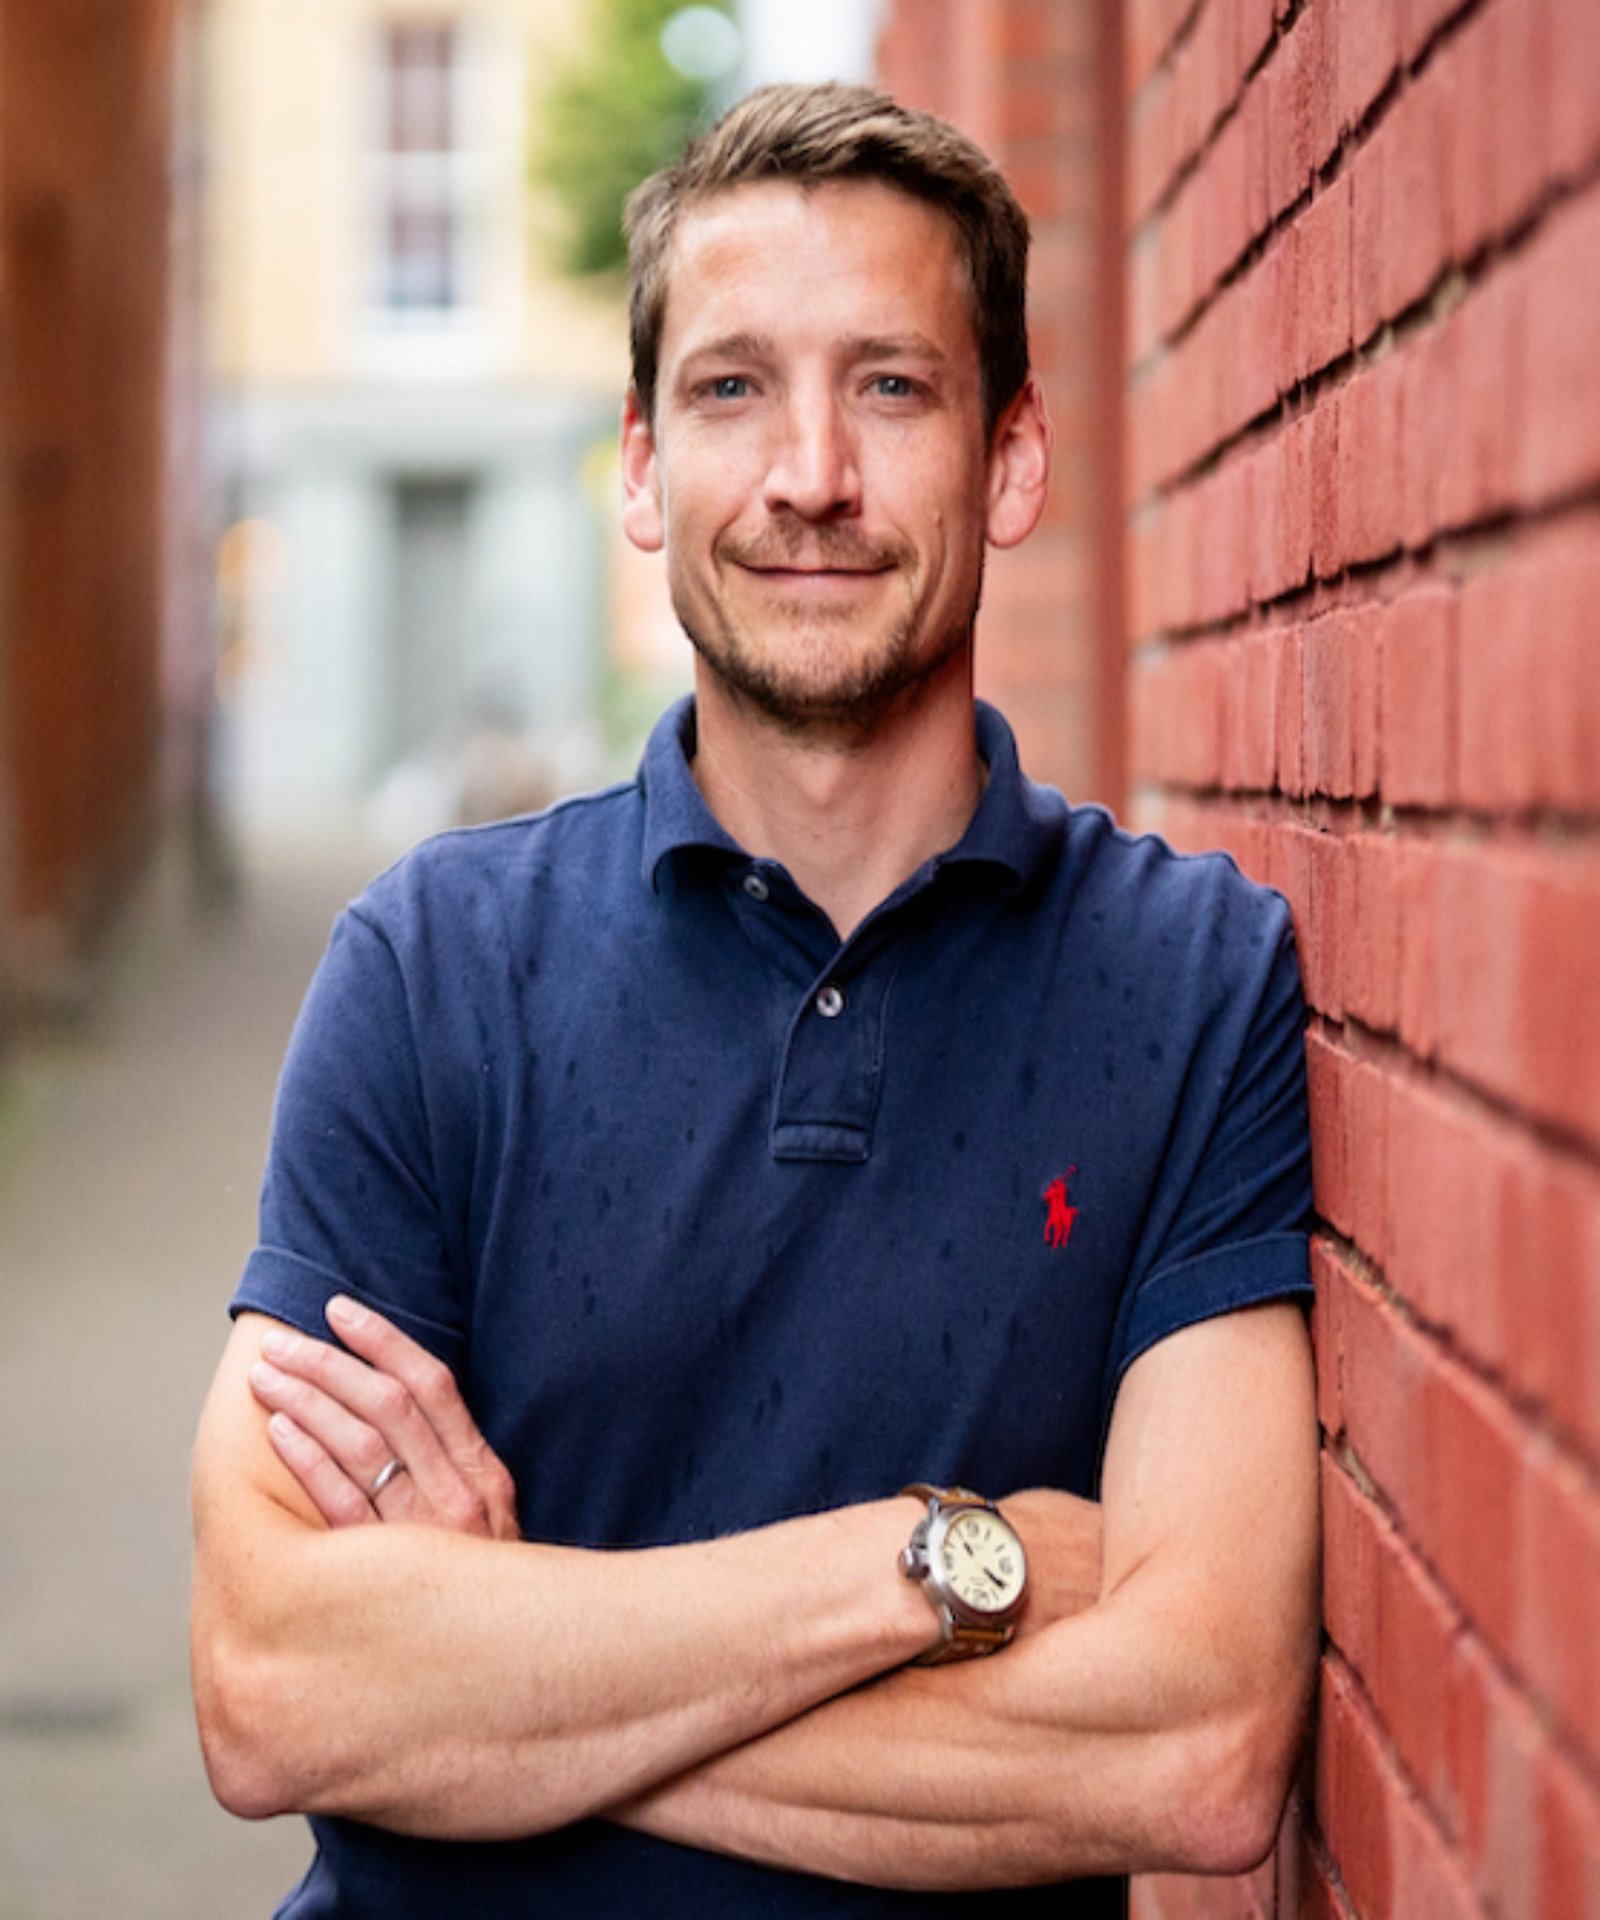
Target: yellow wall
x=287, y=113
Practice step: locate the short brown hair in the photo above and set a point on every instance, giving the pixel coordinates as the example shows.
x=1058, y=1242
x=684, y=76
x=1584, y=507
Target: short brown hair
x=807, y=134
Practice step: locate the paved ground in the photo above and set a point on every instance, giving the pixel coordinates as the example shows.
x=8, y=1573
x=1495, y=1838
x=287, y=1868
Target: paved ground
x=129, y=1157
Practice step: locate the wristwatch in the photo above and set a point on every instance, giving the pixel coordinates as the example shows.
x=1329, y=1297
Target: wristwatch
x=967, y=1558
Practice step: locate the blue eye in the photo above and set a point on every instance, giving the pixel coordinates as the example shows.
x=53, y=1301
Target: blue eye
x=894, y=386
x=730, y=386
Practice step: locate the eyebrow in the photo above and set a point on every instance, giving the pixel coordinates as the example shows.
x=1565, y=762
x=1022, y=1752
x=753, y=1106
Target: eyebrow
x=897, y=346
x=761, y=346
x=732, y=346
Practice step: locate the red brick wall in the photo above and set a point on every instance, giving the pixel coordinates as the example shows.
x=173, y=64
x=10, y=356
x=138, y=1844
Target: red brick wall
x=1035, y=82
x=1364, y=407
x=84, y=144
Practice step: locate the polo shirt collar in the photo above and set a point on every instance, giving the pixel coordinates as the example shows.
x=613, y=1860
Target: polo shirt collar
x=1013, y=830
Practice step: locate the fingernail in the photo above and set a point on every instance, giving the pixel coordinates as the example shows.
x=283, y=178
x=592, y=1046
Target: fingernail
x=261, y=1375
x=278, y=1345
x=344, y=1311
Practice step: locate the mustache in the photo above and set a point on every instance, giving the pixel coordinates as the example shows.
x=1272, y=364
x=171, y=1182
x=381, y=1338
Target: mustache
x=796, y=544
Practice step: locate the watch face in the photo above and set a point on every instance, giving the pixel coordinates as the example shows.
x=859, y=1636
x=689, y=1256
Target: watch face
x=982, y=1562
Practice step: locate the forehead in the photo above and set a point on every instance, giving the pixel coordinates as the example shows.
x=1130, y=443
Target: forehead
x=848, y=256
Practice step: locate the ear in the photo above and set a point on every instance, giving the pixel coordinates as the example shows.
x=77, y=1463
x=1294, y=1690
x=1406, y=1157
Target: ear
x=642, y=518
x=1019, y=468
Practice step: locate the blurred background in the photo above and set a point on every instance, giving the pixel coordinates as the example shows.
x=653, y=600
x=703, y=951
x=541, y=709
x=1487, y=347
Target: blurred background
x=311, y=357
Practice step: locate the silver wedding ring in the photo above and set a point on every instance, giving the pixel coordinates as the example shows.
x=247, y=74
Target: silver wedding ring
x=385, y=1475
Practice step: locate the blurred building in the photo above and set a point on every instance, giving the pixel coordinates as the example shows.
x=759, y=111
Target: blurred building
x=407, y=400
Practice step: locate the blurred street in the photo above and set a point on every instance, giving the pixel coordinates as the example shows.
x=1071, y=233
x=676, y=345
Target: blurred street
x=130, y=1153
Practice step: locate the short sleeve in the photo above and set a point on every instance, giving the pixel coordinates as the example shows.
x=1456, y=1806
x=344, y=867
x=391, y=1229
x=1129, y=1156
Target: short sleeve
x=349, y=1202
x=1240, y=1234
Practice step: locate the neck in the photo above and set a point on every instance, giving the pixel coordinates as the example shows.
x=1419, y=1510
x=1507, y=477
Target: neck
x=849, y=818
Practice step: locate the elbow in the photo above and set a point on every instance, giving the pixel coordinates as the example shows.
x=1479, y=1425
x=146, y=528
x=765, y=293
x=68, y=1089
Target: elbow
x=242, y=1740
x=1236, y=1776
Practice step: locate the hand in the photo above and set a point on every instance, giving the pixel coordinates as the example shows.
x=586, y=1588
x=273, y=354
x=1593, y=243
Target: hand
x=1061, y=1536
x=339, y=1419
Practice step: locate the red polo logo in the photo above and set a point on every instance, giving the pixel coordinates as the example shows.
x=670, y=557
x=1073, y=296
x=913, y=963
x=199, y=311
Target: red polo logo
x=1059, y=1216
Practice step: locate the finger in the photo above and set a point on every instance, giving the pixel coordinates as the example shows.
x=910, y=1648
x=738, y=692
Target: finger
x=331, y=1490
x=364, y=1419
x=429, y=1380
x=435, y=1389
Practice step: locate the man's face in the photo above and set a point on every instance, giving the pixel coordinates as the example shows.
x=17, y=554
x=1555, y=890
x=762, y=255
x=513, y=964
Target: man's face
x=817, y=466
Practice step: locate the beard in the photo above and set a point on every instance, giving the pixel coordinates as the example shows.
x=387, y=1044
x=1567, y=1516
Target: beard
x=814, y=676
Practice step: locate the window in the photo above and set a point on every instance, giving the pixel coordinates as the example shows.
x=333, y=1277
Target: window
x=422, y=172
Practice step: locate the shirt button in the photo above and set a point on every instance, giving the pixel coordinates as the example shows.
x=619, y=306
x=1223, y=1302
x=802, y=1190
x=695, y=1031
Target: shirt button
x=830, y=1002
x=756, y=887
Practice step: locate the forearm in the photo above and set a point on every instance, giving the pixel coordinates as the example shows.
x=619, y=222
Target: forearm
x=1109, y=1743
x=454, y=1686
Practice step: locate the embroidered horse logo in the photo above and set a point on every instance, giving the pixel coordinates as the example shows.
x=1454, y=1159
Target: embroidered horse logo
x=1058, y=1215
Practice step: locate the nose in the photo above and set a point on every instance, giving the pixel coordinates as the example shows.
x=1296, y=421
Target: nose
x=814, y=470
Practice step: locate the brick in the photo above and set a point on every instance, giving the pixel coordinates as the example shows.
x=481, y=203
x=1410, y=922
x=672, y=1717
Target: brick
x=1257, y=151
x=1467, y=1522
x=1569, y=1841
x=1429, y=1881
x=1547, y=1269
x=1355, y=1797
x=1495, y=1755
x=1558, y=1579
x=1419, y=699
x=1176, y=237
x=1281, y=493
x=1256, y=384
x=1518, y=935
x=1329, y=708
x=1574, y=104
x=1415, y=1630
x=1385, y=1366
x=1251, y=761
x=1368, y=193
x=1225, y=552
x=1290, y=79
x=1370, y=478
x=1256, y=19
x=1366, y=693
x=1429, y=376
x=1392, y=1625
x=1372, y=969
x=1501, y=68
x=1327, y=554
x=1417, y=886
x=1448, y=1178
x=1350, y=1529
x=1561, y=447
x=1322, y=288
x=1415, y=229
x=1474, y=411
x=1330, y=1160
x=1367, y=1106
x=1329, y=1279
x=1369, y=52
x=1291, y=740
x=1225, y=224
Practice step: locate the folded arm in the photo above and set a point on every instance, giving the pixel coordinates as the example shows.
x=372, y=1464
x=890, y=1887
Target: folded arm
x=1157, y=1729
x=1146, y=1719
x=444, y=1684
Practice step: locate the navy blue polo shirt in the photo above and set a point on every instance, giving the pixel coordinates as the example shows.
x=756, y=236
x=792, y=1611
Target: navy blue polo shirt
x=719, y=1219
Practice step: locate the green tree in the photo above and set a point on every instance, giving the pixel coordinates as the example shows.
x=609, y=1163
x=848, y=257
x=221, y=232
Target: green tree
x=616, y=114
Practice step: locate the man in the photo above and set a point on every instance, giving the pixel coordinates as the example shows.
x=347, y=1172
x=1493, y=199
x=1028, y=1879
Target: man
x=687, y=1173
